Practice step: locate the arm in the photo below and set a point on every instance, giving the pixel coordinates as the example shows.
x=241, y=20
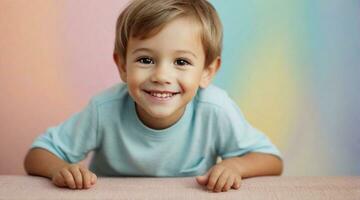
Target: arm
x=228, y=173
x=41, y=162
x=255, y=164
x=72, y=139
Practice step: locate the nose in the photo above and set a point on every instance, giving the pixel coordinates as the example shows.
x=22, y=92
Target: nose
x=161, y=74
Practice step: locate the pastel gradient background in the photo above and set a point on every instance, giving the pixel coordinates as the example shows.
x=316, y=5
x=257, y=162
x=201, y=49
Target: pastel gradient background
x=293, y=67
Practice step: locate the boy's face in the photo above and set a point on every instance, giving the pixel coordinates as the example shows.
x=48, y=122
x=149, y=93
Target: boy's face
x=164, y=72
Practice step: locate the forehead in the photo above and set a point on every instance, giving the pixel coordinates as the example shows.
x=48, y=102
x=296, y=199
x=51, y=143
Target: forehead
x=182, y=33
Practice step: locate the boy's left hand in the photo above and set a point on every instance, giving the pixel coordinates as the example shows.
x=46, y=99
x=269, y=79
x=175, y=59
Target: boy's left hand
x=220, y=178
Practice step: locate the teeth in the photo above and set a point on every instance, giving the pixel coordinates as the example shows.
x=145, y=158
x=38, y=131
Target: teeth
x=161, y=95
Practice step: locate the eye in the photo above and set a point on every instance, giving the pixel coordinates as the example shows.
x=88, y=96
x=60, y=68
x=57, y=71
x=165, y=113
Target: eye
x=182, y=62
x=145, y=60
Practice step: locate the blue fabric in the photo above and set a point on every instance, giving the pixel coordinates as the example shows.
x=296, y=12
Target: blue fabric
x=211, y=126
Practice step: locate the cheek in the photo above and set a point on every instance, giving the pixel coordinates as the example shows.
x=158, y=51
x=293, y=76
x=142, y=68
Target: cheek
x=190, y=78
x=135, y=76
x=189, y=83
x=134, y=82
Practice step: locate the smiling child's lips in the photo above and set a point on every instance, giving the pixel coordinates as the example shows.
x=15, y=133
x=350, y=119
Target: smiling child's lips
x=160, y=91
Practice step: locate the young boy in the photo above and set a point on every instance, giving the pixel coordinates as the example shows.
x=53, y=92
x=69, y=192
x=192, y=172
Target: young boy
x=166, y=119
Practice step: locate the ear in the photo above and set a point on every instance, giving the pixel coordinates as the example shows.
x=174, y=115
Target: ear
x=209, y=72
x=121, y=67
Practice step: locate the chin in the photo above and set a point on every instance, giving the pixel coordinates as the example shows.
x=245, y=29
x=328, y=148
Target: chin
x=160, y=115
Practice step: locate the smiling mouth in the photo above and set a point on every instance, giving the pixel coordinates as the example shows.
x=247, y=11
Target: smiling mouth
x=162, y=94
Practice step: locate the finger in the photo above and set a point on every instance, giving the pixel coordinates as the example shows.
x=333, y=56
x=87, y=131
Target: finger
x=68, y=177
x=93, y=178
x=77, y=176
x=221, y=181
x=86, y=174
x=237, y=183
x=58, y=180
x=213, y=177
x=229, y=183
x=202, y=180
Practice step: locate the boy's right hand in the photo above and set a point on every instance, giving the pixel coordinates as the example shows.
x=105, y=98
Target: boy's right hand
x=74, y=176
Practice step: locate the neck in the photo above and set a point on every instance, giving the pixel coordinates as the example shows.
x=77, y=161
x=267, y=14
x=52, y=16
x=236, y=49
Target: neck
x=158, y=123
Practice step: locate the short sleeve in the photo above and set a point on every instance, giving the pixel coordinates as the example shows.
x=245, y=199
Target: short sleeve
x=237, y=137
x=73, y=139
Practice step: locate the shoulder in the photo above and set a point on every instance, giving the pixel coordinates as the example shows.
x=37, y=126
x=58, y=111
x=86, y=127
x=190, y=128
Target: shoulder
x=212, y=96
x=113, y=94
x=214, y=100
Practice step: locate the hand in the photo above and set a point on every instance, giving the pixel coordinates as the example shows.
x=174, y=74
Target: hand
x=74, y=176
x=220, y=178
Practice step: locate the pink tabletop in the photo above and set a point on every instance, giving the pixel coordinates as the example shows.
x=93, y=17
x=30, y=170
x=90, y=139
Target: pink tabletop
x=264, y=188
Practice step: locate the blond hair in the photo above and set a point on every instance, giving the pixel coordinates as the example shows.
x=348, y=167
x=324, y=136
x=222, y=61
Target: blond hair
x=145, y=18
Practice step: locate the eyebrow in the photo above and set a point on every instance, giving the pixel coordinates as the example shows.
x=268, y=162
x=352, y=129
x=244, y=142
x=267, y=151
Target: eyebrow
x=178, y=51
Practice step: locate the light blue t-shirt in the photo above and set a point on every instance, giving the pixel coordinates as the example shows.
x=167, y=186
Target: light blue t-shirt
x=212, y=125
